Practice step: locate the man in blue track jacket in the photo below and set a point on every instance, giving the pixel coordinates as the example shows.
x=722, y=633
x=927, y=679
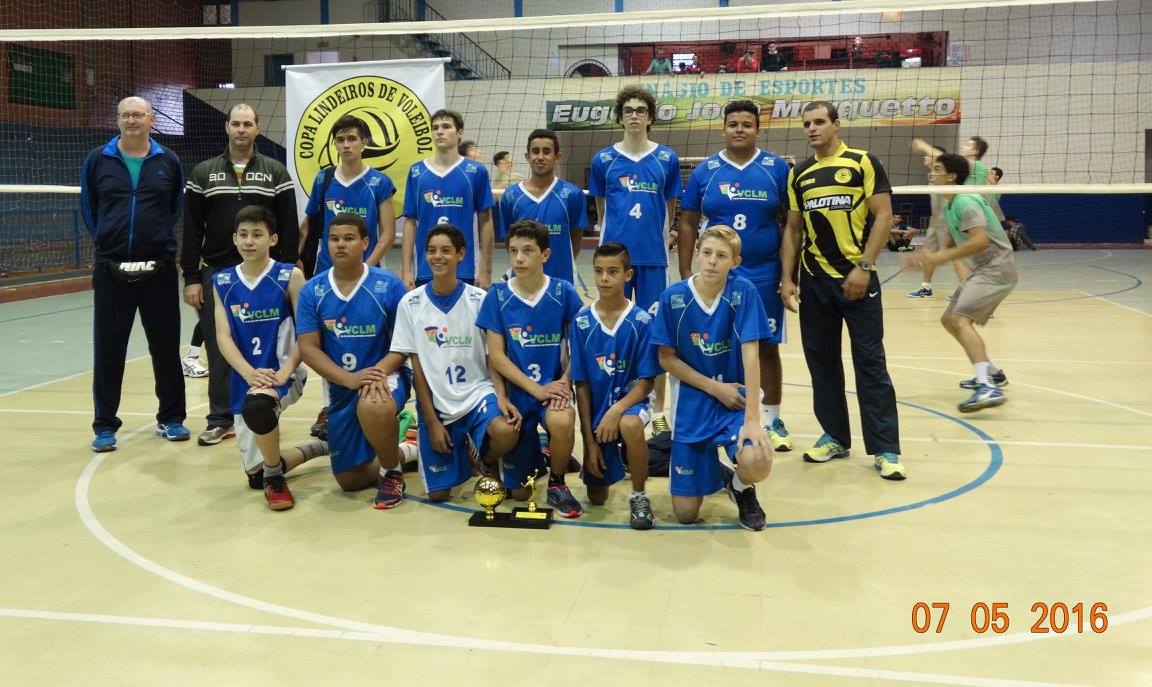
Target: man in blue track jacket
x=131, y=190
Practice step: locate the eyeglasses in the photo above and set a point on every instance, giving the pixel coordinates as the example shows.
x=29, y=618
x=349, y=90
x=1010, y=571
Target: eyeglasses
x=638, y=111
x=132, y=116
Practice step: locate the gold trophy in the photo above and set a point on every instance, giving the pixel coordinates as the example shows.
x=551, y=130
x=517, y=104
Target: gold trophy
x=489, y=493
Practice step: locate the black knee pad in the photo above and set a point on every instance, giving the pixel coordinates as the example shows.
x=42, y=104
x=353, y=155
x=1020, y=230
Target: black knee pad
x=260, y=413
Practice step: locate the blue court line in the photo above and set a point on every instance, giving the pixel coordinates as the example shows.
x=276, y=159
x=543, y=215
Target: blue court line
x=996, y=460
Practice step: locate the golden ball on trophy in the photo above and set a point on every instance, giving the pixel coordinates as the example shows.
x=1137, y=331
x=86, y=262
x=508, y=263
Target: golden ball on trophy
x=489, y=493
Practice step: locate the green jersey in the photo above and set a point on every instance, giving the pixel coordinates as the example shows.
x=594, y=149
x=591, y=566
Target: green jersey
x=968, y=210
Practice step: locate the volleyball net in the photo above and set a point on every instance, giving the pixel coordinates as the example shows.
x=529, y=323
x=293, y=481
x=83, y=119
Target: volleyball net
x=1057, y=89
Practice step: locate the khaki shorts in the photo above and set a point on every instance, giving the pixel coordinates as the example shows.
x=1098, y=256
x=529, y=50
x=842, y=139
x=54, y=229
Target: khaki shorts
x=978, y=296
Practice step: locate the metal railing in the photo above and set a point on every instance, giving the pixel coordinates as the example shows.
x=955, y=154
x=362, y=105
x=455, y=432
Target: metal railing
x=467, y=59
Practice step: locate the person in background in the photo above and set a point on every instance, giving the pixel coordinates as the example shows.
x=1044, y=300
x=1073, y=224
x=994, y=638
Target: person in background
x=504, y=176
x=469, y=149
x=660, y=64
x=773, y=61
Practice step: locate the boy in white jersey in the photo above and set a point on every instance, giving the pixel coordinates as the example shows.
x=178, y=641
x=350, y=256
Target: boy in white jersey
x=613, y=366
x=635, y=183
x=526, y=322
x=255, y=332
x=448, y=189
x=345, y=319
x=974, y=235
x=708, y=329
x=459, y=403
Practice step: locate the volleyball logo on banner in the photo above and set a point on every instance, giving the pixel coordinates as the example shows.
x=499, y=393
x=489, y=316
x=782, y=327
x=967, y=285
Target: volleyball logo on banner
x=394, y=99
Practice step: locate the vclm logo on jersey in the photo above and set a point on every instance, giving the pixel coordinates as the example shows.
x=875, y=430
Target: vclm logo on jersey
x=734, y=192
x=709, y=348
x=441, y=337
x=437, y=200
x=242, y=313
x=636, y=186
x=610, y=364
x=528, y=339
x=343, y=330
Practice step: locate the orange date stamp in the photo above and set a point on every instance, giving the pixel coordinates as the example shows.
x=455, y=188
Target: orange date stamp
x=1047, y=618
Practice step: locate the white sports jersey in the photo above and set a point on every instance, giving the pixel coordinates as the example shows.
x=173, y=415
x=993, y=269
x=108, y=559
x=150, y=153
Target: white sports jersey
x=442, y=331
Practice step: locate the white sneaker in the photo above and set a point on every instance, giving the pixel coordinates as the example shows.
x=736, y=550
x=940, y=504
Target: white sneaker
x=193, y=368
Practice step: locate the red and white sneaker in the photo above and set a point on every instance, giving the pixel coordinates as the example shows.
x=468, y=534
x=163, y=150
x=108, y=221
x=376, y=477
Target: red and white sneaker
x=277, y=494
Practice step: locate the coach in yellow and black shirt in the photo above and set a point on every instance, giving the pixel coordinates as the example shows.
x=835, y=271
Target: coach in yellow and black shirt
x=831, y=196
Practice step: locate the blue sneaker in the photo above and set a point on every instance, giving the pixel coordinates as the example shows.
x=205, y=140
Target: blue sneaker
x=999, y=380
x=984, y=396
x=173, y=431
x=921, y=292
x=104, y=442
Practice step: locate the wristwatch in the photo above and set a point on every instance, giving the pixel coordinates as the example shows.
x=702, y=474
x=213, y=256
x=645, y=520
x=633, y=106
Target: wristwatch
x=867, y=265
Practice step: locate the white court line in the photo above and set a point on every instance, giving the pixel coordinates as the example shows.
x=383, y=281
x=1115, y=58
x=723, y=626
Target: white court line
x=310, y=633
x=762, y=659
x=1037, y=386
x=1118, y=305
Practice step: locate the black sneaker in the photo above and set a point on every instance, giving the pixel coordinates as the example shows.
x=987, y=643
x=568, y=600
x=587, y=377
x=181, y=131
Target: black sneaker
x=641, y=509
x=560, y=498
x=751, y=514
x=999, y=380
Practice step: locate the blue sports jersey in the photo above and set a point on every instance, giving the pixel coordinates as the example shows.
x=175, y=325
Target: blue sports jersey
x=362, y=197
x=453, y=197
x=259, y=319
x=562, y=208
x=748, y=199
x=355, y=331
x=611, y=360
x=708, y=340
x=533, y=331
x=636, y=193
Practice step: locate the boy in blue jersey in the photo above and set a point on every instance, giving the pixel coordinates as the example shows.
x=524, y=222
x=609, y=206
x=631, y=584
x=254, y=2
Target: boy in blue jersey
x=344, y=323
x=254, y=328
x=557, y=204
x=745, y=188
x=356, y=188
x=613, y=366
x=525, y=321
x=707, y=328
x=448, y=189
x=461, y=407
x=635, y=183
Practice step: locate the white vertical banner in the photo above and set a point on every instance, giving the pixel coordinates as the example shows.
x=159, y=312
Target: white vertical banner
x=395, y=98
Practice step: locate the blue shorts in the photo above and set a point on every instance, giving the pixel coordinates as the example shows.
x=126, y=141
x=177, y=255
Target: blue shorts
x=769, y=291
x=614, y=453
x=348, y=446
x=695, y=468
x=443, y=471
x=525, y=458
x=646, y=285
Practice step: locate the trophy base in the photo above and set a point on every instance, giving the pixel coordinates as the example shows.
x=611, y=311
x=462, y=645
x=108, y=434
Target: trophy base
x=519, y=518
